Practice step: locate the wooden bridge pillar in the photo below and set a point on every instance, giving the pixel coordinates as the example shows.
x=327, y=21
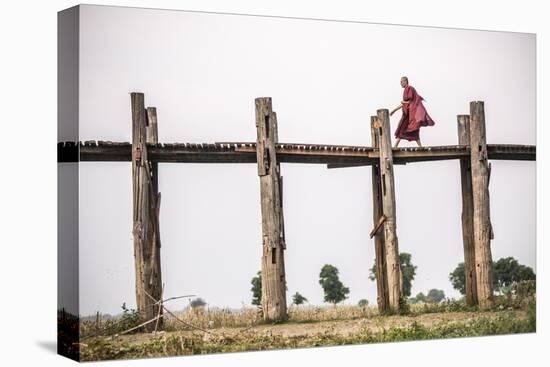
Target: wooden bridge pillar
x=146, y=203
x=388, y=207
x=273, y=242
x=481, y=215
x=467, y=213
x=154, y=217
x=377, y=213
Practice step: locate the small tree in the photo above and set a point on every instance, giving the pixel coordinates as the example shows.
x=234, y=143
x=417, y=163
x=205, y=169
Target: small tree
x=257, y=289
x=506, y=271
x=130, y=318
x=298, y=299
x=458, y=278
x=408, y=270
x=335, y=292
x=363, y=303
x=435, y=296
x=420, y=297
x=197, y=302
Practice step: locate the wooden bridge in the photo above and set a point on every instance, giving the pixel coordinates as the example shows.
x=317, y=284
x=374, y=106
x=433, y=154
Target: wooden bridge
x=145, y=152
x=245, y=152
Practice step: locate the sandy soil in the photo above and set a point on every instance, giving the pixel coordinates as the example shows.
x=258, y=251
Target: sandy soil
x=342, y=327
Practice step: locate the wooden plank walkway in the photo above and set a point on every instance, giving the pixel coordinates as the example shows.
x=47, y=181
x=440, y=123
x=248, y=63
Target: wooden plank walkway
x=245, y=152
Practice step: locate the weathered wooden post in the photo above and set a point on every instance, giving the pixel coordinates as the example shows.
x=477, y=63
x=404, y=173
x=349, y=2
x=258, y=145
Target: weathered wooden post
x=138, y=176
x=147, y=285
x=388, y=207
x=377, y=216
x=481, y=218
x=155, y=278
x=273, y=245
x=467, y=213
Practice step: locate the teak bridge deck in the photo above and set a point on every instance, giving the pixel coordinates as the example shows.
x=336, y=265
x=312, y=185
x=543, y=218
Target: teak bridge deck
x=245, y=152
x=145, y=152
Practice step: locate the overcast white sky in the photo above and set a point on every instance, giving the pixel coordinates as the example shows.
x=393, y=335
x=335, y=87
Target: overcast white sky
x=203, y=71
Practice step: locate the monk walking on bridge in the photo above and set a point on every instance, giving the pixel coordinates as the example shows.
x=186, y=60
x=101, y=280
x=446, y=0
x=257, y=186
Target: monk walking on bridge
x=414, y=115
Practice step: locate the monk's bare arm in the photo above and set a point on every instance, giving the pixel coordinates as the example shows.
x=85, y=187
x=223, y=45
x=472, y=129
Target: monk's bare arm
x=395, y=109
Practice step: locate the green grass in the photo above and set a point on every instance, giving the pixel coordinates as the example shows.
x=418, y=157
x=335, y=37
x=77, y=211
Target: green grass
x=172, y=345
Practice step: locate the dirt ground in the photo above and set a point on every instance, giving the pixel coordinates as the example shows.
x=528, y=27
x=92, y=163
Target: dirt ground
x=341, y=327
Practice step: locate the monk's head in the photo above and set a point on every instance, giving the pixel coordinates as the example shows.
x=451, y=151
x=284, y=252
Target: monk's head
x=404, y=81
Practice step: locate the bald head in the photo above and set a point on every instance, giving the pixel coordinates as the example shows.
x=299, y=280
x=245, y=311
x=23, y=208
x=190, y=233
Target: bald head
x=404, y=81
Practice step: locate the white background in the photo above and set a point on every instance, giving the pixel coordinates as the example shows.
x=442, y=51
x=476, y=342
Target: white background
x=29, y=182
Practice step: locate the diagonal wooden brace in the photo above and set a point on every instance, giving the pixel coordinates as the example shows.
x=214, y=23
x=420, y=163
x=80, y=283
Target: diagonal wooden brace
x=381, y=221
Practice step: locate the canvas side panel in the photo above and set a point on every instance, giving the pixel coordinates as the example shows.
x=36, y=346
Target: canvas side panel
x=67, y=184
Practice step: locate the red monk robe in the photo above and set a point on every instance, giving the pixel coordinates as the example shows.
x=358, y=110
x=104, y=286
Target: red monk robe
x=414, y=116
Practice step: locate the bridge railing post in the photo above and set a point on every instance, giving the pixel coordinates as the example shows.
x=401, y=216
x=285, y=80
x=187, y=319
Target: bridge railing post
x=463, y=123
x=388, y=207
x=480, y=169
x=377, y=213
x=273, y=242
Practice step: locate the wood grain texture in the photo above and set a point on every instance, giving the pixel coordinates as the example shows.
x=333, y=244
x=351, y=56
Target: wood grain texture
x=144, y=206
x=463, y=123
x=139, y=189
x=332, y=155
x=273, y=246
x=481, y=216
x=377, y=213
x=154, y=278
x=393, y=268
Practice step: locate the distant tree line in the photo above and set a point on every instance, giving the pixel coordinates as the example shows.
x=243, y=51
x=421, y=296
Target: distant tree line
x=334, y=289
x=433, y=296
x=506, y=271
